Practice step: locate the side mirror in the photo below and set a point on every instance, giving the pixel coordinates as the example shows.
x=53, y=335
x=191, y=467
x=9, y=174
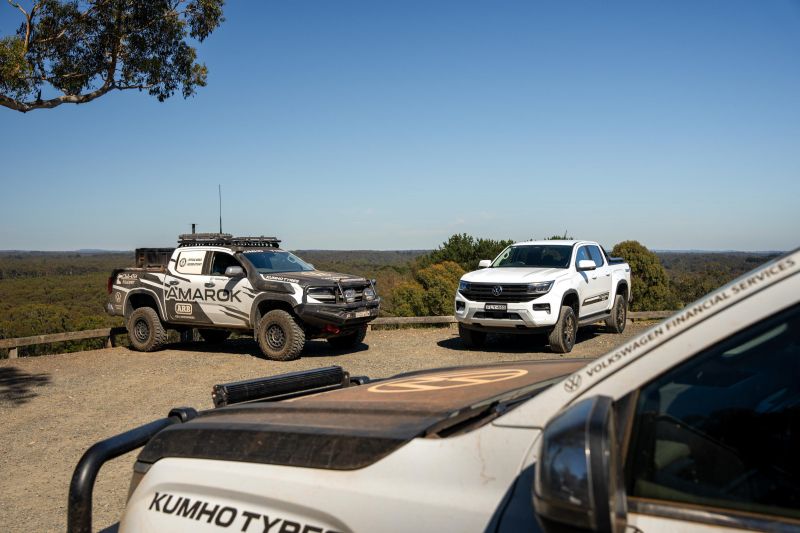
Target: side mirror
x=578, y=480
x=586, y=264
x=234, y=272
x=484, y=263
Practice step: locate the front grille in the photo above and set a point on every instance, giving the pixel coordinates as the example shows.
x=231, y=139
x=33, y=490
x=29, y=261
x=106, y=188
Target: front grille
x=482, y=292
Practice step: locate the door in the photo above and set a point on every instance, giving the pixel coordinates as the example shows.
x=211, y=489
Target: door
x=232, y=296
x=596, y=284
x=185, y=289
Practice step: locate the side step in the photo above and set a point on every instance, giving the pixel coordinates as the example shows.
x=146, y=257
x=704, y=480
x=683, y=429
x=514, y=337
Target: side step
x=591, y=319
x=284, y=386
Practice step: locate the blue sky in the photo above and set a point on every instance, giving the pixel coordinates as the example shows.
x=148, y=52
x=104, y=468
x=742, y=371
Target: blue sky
x=393, y=125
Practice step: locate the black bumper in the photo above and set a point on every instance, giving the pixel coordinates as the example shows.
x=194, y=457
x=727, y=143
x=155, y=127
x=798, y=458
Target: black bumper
x=339, y=315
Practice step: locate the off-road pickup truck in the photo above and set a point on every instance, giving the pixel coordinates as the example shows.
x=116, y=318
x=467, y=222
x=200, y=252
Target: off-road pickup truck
x=219, y=283
x=550, y=287
x=691, y=426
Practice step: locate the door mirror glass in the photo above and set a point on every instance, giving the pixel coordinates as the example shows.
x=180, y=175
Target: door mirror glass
x=484, y=263
x=579, y=476
x=586, y=264
x=234, y=272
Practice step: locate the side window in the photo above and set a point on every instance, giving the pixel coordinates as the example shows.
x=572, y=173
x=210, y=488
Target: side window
x=190, y=262
x=583, y=253
x=597, y=255
x=723, y=429
x=220, y=261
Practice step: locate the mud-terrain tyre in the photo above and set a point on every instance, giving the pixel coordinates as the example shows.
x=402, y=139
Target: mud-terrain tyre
x=279, y=336
x=351, y=339
x=145, y=330
x=619, y=315
x=214, y=336
x=562, y=338
x=472, y=338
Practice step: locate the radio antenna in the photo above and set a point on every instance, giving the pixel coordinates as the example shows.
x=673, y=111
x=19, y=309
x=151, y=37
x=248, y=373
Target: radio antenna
x=220, y=208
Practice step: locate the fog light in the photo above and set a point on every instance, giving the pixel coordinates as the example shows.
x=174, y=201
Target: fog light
x=460, y=306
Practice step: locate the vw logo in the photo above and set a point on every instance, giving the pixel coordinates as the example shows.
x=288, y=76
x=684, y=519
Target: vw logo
x=497, y=290
x=572, y=383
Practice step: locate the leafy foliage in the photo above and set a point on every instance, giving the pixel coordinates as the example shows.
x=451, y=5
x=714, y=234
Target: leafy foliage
x=465, y=250
x=86, y=49
x=430, y=293
x=649, y=282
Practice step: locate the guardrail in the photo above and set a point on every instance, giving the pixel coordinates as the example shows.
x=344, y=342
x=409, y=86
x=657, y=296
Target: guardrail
x=12, y=345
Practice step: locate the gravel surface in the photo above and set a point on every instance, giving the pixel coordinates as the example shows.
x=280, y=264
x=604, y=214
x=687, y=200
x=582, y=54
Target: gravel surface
x=52, y=408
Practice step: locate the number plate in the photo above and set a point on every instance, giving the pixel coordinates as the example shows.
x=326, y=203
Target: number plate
x=495, y=307
x=361, y=314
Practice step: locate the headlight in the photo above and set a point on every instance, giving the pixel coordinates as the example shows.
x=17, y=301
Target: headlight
x=369, y=294
x=542, y=287
x=463, y=286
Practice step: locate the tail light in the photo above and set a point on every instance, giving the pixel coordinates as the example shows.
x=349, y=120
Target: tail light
x=110, y=284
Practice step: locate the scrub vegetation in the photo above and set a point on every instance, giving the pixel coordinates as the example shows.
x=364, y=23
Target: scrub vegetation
x=54, y=292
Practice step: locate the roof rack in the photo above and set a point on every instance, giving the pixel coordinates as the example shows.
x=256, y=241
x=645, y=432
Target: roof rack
x=226, y=239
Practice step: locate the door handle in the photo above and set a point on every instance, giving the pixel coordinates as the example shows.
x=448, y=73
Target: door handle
x=173, y=282
x=209, y=284
x=608, y=274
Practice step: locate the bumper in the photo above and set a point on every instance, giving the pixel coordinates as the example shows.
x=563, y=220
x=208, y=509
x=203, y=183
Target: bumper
x=342, y=316
x=532, y=316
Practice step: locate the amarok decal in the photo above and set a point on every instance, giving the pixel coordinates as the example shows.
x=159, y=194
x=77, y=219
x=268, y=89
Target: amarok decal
x=210, y=295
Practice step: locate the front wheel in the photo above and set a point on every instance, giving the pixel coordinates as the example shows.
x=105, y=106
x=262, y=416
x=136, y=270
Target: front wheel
x=472, y=338
x=279, y=336
x=351, y=339
x=619, y=315
x=145, y=330
x=562, y=338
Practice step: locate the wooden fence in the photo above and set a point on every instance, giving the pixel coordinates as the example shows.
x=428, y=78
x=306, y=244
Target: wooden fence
x=12, y=345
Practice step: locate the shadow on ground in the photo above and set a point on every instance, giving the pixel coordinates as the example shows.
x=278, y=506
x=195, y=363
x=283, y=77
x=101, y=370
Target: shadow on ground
x=248, y=346
x=517, y=343
x=16, y=386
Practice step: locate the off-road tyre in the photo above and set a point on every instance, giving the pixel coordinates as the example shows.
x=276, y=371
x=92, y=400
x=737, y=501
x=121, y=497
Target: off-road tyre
x=351, y=339
x=214, y=336
x=279, y=336
x=619, y=315
x=145, y=330
x=472, y=338
x=562, y=338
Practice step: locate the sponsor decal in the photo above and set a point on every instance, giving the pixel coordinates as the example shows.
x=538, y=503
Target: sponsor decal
x=448, y=381
x=127, y=278
x=685, y=318
x=118, y=297
x=210, y=295
x=182, y=262
x=183, y=309
x=228, y=516
x=280, y=278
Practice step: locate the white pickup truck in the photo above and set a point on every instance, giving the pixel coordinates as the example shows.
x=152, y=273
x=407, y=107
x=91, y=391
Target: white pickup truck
x=550, y=287
x=692, y=426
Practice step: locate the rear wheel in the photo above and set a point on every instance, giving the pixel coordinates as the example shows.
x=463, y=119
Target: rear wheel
x=279, y=336
x=214, y=336
x=351, y=339
x=472, y=338
x=145, y=330
x=619, y=315
x=562, y=338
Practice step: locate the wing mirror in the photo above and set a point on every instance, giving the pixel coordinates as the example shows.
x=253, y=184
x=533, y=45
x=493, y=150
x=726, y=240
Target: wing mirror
x=579, y=481
x=484, y=263
x=234, y=272
x=586, y=264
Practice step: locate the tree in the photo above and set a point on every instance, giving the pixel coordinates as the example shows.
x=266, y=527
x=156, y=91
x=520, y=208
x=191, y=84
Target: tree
x=649, y=282
x=431, y=293
x=465, y=250
x=84, y=49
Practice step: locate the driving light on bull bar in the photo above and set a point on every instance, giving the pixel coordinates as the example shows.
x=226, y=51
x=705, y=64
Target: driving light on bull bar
x=350, y=296
x=280, y=387
x=369, y=294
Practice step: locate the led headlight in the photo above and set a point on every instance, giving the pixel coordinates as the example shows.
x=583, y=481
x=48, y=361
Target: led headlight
x=542, y=287
x=463, y=286
x=369, y=294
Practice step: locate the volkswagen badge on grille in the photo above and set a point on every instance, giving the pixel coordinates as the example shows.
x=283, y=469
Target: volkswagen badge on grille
x=497, y=290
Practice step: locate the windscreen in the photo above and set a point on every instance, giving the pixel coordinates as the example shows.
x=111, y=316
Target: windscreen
x=271, y=261
x=534, y=256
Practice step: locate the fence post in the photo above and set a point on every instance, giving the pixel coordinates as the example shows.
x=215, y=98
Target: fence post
x=12, y=353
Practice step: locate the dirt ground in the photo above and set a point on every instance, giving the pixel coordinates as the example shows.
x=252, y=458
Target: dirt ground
x=52, y=408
